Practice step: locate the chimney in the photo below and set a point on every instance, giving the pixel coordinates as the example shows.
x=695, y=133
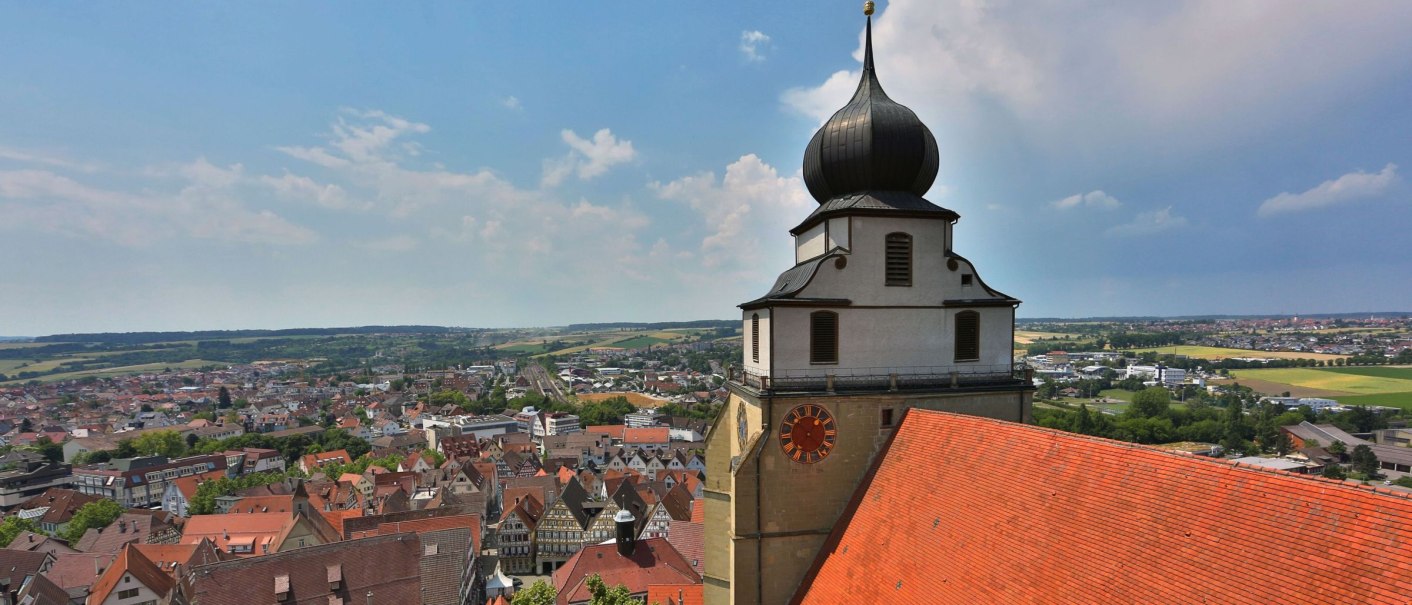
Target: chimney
x=122, y=526
x=626, y=539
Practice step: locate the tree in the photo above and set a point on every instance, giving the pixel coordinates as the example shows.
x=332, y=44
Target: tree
x=602, y=594
x=1151, y=402
x=1283, y=444
x=191, y=440
x=223, y=398
x=1365, y=461
x=1334, y=471
x=539, y=593
x=100, y=513
x=47, y=448
x=12, y=527
x=26, y=426
x=160, y=443
x=1337, y=448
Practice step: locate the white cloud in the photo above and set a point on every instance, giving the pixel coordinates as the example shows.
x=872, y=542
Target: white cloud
x=1344, y=189
x=1092, y=199
x=305, y=189
x=1095, y=77
x=206, y=208
x=512, y=102
x=33, y=157
x=1148, y=223
x=749, y=204
x=587, y=158
x=752, y=45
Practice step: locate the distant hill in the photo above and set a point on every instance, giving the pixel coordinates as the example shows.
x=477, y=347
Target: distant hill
x=1378, y=314
x=134, y=338
x=664, y=325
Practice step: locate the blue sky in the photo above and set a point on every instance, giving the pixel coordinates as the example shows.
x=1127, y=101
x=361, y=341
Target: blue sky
x=242, y=165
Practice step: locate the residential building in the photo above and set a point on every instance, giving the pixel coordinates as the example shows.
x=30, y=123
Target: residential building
x=132, y=579
x=141, y=482
x=379, y=570
x=27, y=478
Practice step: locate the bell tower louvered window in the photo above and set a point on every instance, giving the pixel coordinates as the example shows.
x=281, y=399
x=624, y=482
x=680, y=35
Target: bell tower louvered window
x=899, y=259
x=968, y=336
x=755, y=337
x=823, y=337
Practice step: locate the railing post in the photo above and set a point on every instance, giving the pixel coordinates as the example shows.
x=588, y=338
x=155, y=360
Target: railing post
x=828, y=382
x=955, y=379
x=892, y=381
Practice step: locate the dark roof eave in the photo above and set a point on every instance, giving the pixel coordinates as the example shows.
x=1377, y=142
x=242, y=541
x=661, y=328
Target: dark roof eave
x=767, y=301
x=814, y=219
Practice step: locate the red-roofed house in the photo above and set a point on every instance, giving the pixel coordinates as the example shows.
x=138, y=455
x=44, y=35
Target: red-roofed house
x=653, y=438
x=312, y=462
x=675, y=594
x=131, y=579
x=651, y=561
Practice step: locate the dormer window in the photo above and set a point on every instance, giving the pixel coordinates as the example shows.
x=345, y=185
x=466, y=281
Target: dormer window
x=823, y=337
x=899, y=259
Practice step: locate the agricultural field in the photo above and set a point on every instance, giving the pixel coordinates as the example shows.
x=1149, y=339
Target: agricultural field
x=578, y=342
x=640, y=400
x=1215, y=353
x=1378, y=385
x=1025, y=337
x=124, y=370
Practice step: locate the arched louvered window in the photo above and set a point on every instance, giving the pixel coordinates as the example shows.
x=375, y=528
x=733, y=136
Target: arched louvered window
x=823, y=337
x=968, y=336
x=755, y=337
x=899, y=259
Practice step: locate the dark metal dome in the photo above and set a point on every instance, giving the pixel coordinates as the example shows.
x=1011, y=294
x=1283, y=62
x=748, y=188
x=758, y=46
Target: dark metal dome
x=872, y=144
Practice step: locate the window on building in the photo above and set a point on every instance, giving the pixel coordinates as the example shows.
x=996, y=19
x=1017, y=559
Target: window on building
x=968, y=336
x=823, y=337
x=899, y=259
x=755, y=337
x=127, y=594
x=967, y=279
x=887, y=417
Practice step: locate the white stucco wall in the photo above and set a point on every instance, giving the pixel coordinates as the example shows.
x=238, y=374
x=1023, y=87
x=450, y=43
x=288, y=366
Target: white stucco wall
x=882, y=341
x=839, y=233
x=127, y=583
x=761, y=367
x=809, y=244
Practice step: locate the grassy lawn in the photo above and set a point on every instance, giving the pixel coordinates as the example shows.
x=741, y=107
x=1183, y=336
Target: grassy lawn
x=1224, y=353
x=1392, y=400
x=637, y=342
x=1123, y=394
x=525, y=347
x=641, y=400
x=1330, y=379
x=1396, y=372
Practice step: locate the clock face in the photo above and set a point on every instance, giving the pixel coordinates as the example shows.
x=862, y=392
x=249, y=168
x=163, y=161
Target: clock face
x=741, y=425
x=808, y=433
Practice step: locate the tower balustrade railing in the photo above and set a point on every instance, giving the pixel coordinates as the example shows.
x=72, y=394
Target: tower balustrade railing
x=900, y=378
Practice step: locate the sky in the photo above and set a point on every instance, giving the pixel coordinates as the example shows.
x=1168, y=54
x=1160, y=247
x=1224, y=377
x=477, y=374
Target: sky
x=214, y=165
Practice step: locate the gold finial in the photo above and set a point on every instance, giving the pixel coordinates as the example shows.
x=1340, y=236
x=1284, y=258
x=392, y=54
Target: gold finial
x=868, y=7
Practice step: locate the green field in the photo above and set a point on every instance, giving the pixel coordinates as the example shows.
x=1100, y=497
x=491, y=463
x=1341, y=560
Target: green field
x=1336, y=379
x=1395, y=372
x=1224, y=353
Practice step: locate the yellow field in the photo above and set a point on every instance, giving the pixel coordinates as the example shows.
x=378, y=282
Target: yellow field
x=641, y=400
x=1025, y=337
x=119, y=371
x=1224, y=353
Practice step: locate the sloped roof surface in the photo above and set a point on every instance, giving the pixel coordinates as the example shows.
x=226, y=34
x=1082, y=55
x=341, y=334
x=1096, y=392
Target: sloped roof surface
x=1020, y=514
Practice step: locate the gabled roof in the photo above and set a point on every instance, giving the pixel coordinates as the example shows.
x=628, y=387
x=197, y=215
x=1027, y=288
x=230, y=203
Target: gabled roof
x=388, y=566
x=133, y=563
x=653, y=561
x=1036, y=515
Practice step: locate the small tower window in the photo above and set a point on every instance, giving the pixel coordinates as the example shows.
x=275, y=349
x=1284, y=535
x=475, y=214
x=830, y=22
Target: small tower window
x=968, y=336
x=755, y=337
x=899, y=259
x=823, y=337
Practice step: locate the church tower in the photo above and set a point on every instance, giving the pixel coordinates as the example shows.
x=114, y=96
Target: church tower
x=878, y=315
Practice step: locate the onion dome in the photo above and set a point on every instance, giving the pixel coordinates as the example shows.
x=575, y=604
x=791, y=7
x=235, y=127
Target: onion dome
x=872, y=144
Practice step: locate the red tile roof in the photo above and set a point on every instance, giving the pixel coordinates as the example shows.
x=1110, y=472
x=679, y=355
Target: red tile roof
x=647, y=435
x=676, y=594
x=653, y=561
x=1020, y=514
x=130, y=562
